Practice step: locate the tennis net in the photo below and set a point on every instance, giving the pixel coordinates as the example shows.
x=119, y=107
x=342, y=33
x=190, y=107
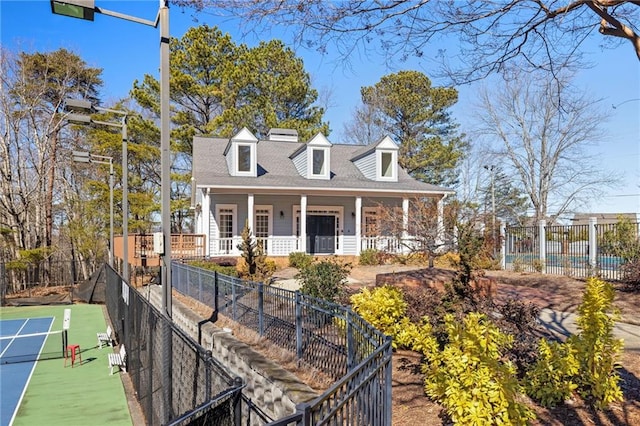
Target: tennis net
x=32, y=347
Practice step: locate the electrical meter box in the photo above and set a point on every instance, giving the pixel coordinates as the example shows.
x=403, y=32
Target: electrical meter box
x=158, y=243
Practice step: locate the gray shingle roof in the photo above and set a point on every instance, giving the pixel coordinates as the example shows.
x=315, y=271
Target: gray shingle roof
x=277, y=171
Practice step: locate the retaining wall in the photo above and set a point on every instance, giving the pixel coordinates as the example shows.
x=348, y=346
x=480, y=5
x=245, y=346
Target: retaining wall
x=273, y=389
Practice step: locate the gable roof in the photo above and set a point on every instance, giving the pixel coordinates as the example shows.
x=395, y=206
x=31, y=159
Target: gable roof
x=276, y=172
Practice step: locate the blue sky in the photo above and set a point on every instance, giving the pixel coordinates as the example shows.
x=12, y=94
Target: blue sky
x=126, y=51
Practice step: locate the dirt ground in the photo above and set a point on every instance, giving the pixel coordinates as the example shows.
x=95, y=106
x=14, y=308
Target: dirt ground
x=411, y=406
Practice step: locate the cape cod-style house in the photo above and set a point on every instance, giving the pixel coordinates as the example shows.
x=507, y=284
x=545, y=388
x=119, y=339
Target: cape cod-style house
x=315, y=197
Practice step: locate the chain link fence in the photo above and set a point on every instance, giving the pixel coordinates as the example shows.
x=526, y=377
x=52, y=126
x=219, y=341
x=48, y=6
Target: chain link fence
x=176, y=381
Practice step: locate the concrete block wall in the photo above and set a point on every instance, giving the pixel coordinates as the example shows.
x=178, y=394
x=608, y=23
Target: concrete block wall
x=273, y=389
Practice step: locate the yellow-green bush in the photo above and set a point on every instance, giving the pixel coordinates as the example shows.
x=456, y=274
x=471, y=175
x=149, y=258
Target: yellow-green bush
x=383, y=307
x=469, y=378
x=596, y=348
x=551, y=379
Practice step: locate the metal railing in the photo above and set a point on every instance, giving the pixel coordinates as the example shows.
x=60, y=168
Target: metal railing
x=327, y=337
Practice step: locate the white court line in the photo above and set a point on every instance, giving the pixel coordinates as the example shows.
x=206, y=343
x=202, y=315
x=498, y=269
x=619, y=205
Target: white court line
x=26, y=385
x=14, y=337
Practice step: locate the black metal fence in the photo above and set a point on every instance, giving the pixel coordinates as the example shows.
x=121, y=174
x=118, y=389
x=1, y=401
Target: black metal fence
x=325, y=336
x=176, y=381
x=574, y=250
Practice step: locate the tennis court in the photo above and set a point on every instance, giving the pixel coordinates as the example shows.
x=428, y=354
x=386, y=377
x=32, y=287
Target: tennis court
x=39, y=386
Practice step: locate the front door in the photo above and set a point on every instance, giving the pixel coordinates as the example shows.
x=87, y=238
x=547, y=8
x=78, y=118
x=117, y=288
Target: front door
x=321, y=234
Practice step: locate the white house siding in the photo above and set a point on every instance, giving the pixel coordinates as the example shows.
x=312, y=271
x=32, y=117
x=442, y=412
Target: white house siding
x=230, y=157
x=300, y=162
x=367, y=166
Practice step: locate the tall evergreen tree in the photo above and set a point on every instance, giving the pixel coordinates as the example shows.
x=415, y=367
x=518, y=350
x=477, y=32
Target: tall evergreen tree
x=417, y=115
x=218, y=87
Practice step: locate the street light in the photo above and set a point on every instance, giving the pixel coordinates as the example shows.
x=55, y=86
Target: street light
x=85, y=9
x=75, y=107
x=86, y=157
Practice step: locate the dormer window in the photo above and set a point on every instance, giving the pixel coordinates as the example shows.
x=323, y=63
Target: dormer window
x=379, y=161
x=387, y=165
x=313, y=159
x=241, y=153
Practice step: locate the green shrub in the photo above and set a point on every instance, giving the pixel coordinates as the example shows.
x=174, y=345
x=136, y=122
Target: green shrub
x=326, y=279
x=300, y=260
x=469, y=378
x=212, y=266
x=551, y=380
x=419, y=338
x=369, y=257
x=596, y=348
x=381, y=307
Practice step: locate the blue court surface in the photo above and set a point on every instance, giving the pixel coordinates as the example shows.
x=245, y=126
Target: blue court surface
x=21, y=343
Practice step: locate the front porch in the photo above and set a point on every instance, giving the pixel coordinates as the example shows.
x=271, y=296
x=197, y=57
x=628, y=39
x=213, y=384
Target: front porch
x=282, y=246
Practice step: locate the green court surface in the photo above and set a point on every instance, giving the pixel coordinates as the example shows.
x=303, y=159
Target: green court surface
x=84, y=394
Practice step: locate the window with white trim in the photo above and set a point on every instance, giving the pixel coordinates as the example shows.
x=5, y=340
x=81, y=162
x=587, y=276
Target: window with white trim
x=387, y=165
x=226, y=219
x=244, y=158
x=262, y=225
x=319, y=162
x=370, y=227
x=386, y=162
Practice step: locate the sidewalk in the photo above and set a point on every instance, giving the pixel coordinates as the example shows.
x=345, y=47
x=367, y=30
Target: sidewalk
x=563, y=324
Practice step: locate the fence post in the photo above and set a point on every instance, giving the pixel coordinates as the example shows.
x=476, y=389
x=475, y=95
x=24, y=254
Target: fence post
x=503, y=245
x=233, y=300
x=215, y=292
x=200, y=285
x=388, y=401
x=542, y=242
x=261, y=309
x=237, y=402
x=298, y=326
x=350, y=345
x=593, y=245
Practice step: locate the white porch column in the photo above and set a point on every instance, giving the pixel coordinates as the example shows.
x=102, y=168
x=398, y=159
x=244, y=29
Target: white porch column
x=206, y=220
x=250, y=199
x=358, y=225
x=303, y=223
x=542, y=242
x=405, y=225
x=440, y=225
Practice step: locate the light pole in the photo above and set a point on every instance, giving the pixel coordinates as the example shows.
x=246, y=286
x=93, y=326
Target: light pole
x=75, y=107
x=86, y=157
x=492, y=169
x=85, y=9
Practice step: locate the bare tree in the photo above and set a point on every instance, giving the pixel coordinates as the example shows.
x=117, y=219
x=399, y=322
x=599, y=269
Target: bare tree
x=33, y=86
x=545, y=34
x=364, y=127
x=543, y=142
